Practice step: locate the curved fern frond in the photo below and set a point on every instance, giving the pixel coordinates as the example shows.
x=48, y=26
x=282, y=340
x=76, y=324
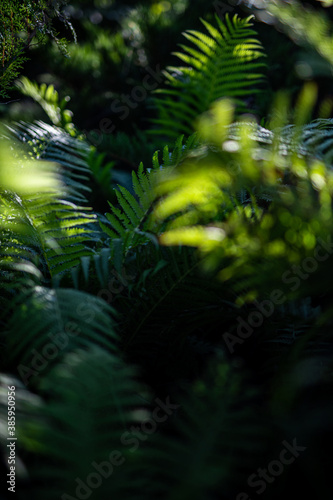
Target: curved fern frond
x=312, y=139
x=225, y=63
x=23, y=250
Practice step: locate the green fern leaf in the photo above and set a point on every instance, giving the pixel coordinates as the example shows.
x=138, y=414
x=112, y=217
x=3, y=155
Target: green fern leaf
x=225, y=63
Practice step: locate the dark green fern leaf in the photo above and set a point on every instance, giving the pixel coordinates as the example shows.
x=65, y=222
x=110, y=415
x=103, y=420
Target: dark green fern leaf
x=131, y=222
x=47, y=323
x=93, y=401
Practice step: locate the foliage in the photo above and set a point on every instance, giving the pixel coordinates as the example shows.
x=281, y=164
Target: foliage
x=167, y=325
x=24, y=23
x=48, y=98
x=62, y=238
x=226, y=63
x=304, y=25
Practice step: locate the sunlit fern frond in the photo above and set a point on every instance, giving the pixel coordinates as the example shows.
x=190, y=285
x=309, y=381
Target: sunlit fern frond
x=62, y=220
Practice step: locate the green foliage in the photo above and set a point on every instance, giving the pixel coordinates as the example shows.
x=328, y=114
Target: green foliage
x=22, y=24
x=131, y=224
x=63, y=237
x=183, y=337
x=287, y=170
x=85, y=321
x=132, y=220
x=125, y=149
x=225, y=64
x=305, y=25
x=105, y=392
x=48, y=98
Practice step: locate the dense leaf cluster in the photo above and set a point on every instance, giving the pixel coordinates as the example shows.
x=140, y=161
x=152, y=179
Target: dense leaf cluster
x=168, y=327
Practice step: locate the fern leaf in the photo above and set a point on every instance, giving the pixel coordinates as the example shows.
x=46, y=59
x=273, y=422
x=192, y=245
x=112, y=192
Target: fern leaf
x=61, y=225
x=225, y=63
x=73, y=317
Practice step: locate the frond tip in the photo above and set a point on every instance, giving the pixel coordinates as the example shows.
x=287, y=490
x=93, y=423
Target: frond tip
x=225, y=63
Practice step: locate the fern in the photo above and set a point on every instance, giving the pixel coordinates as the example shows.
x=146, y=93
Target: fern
x=23, y=249
x=53, y=144
x=314, y=138
x=130, y=224
x=225, y=63
x=125, y=149
x=48, y=98
x=173, y=305
x=65, y=233
x=34, y=22
x=93, y=396
x=52, y=323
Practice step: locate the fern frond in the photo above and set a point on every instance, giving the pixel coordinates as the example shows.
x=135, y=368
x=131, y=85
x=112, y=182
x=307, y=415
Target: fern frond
x=314, y=138
x=225, y=63
x=51, y=143
x=92, y=398
x=48, y=98
x=130, y=223
x=172, y=292
x=132, y=219
x=127, y=150
x=64, y=228
x=52, y=322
